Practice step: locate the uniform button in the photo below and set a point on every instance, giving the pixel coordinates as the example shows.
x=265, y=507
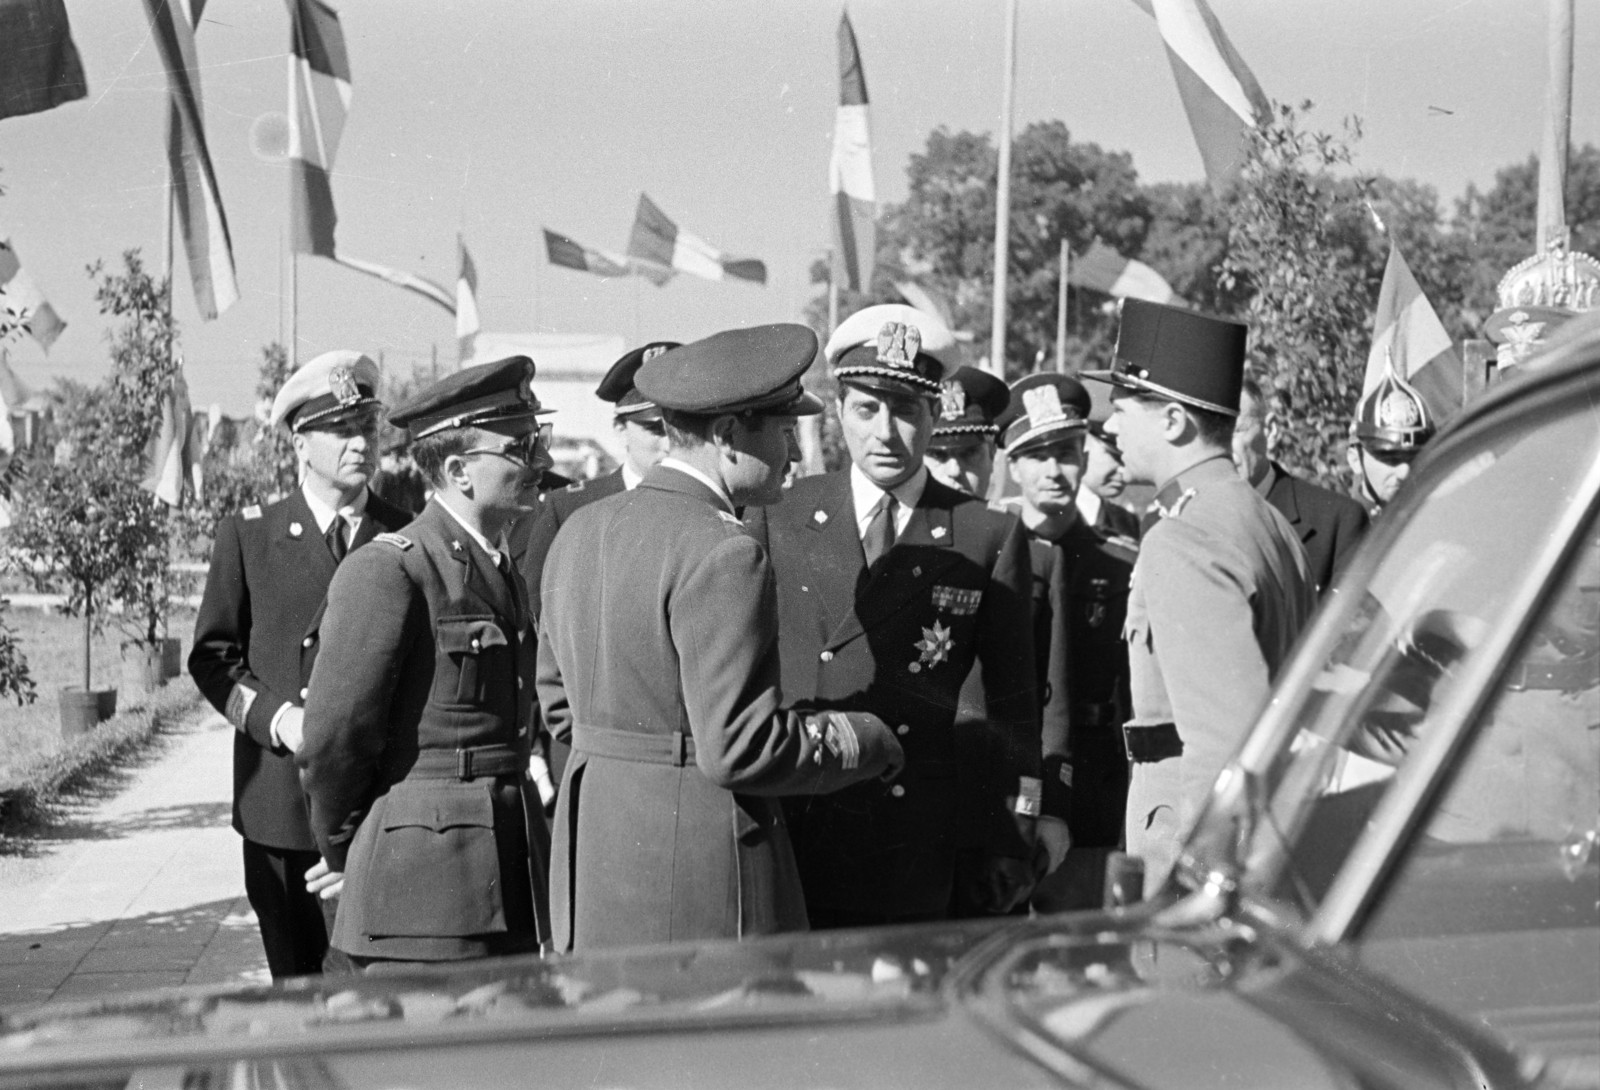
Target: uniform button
x=303, y=693
x=902, y=729
x=897, y=791
x=519, y=683
x=308, y=641
x=477, y=645
x=826, y=656
x=915, y=668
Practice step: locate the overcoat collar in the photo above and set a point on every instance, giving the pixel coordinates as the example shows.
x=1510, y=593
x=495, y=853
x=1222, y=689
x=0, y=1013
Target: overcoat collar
x=666, y=479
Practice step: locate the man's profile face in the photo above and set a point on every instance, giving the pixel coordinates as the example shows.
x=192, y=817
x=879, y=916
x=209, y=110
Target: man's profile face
x=1102, y=472
x=343, y=456
x=1250, y=439
x=644, y=442
x=1384, y=471
x=763, y=448
x=886, y=432
x=1049, y=475
x=1138, y=426
x=965, y=463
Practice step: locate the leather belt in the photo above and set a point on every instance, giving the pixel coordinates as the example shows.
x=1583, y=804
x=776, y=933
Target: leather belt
x=467, y=764
x=1096, y=715
x=1569, y=675
x=1156, y=742
x=676, y=749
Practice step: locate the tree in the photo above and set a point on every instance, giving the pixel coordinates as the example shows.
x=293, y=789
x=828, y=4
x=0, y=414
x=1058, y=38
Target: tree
x=16, y=681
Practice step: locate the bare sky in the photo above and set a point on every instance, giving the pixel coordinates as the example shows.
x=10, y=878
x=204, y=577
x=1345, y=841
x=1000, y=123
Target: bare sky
x=494, y=117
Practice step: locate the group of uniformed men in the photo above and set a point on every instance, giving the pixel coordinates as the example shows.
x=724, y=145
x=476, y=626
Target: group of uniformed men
x=754, y=704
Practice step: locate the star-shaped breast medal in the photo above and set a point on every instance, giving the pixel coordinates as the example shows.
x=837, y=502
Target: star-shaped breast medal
x=934, y=645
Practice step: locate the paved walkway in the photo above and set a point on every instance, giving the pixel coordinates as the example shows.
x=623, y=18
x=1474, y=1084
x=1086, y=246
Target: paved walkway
x=141, y=890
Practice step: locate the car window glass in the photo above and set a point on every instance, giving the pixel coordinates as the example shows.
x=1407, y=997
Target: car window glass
x=1401, y=640
x=1493, y=910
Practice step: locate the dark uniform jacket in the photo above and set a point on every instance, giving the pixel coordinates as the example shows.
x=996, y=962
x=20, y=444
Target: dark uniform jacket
x=953, y=591
x=416, y=748
x=1329, y=525
x=658, y=660
x=255, y=641
x=1115, y=520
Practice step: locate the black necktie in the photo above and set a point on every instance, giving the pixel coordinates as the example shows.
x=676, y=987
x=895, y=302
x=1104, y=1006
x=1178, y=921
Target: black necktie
x=336, y=542
x=879, y=538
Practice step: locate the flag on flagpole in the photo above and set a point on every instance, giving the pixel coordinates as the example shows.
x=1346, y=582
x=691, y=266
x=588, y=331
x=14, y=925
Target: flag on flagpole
x=1406, y=325
x=850, y=172
x=563, y=251
x=39, y=65
x=1219, y=92
x=170, y=456
x=319, y=99
x=467, y=324
x=1103, y=269
x=658, y=241
x=12, y=393
x=204, y=224
x=23, y=308
x=421, y=285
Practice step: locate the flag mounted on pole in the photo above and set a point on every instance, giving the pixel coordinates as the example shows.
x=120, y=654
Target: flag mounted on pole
x=1406, y=326
x=39, y=65
x=467, y=324
x=23, y=308
x=850, y=172
x=569, y=254
x=1103, y=269
x=170, y=458
x=658, y=241
x=200, y=215
x=1220, y=94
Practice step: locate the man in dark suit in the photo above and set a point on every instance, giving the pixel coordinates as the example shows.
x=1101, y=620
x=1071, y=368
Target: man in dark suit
x=658, y=660
x=255, y=637
x=419, y=714
x=891, y=587
x=1329, y=525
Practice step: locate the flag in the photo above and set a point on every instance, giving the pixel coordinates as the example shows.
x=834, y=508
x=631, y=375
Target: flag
x=170, y=459
x=23, y=309
x=563, y=251
x=657, y=241
x=12, y=393
x=926, y=301
x=39, y=65
x=421, y=285
x=467, y=324
x=1103, y=269
x=850, y=172
x=200, y=215
x=1220, y=95
x=319, y=98
x=1424, y=355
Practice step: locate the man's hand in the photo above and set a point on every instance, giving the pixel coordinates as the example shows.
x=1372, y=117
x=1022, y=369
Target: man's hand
x=1004, y=883
x=323, y=880
x=291, y=728
x=1051, y=846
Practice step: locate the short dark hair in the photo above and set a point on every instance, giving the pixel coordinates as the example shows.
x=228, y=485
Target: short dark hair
x=1251, y=388
x=1215, y=429
x=429, y=452
x=686, y=429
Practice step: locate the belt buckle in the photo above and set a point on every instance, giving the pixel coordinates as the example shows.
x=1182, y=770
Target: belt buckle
x=680, y=749
x=464, y=764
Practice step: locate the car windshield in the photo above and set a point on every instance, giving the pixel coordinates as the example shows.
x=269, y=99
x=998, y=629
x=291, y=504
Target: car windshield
x=1391, y=667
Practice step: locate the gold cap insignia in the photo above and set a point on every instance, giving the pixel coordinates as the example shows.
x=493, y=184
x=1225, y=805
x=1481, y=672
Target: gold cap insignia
x=1044, y=405
x=952, y=401
x=652, y=352
x=342, y=384
x=898, y=345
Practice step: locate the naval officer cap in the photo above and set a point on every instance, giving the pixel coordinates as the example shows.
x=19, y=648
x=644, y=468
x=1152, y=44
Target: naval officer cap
x=970, y=403
x=618, y=388
x=1043, y=409
x=1179, y=354
x=329, y=390
x=489, y=393
x=754, y=371
x=893, y=347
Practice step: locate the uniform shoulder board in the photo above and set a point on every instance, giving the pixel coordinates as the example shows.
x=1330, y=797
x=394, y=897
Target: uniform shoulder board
x=576, y=486
x=250, y=513
x=728, y=516
x=399, y=541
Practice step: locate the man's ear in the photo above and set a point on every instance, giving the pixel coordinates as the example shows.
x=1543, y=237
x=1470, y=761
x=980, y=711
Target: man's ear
x=1011, y=468
x=1175, y=421
x=722, y=429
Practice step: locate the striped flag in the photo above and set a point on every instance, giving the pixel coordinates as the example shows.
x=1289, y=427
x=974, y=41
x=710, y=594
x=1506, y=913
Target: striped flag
x=170, y=459
x=657, y=241
x=23, y=308
x=1220, y=95
x=200, y=216
x=850, y=172
x=467, y=324
x=1424, y=355
x=1103, y=269
x=319, y=99
x=563, y=251
x=39, y=65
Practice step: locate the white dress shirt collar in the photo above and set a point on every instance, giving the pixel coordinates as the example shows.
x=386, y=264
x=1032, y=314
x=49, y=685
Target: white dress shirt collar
x=867, y=496
x=630, y=478
x=353, y=512
x=483, y=542
x=1089, y=503
x=685, y=467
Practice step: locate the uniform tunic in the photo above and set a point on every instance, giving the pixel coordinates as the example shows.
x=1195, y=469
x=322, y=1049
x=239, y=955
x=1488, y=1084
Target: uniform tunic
x=658, y=661
x=1220, y=592
x=416, y=748
x=901, y=641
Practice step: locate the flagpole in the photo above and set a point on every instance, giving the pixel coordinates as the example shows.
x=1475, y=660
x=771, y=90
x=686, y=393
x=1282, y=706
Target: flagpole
x=1061, y=315
x=1557, y=126
x=166, y=238
x=280, y=286
x=1002, y=210
x=294, y=310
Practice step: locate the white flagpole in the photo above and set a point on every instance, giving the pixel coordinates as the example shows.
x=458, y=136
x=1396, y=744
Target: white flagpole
x=1002, y=210
x=1061, y=315
x=1552, y=215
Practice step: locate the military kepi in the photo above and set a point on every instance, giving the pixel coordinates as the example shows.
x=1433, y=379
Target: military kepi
x=893, y=347
x=1043, y=408
x=618, y=388
x=1176, y=353
x=754, y=370
x=970, y=403
x=328, y=390
x=489, y=393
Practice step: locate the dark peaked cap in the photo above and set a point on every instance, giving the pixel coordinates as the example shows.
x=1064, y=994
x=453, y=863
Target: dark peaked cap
x=1180, y=354
x=487, y=393
x=617, y=387
x=754, y=370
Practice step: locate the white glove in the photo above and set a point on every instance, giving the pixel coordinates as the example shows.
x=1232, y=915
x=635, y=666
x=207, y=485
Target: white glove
x=289, y=727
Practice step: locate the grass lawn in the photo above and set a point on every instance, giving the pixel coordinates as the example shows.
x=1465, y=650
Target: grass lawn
x=53, y=644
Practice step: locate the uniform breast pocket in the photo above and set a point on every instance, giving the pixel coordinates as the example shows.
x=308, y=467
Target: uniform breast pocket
x=471, y=651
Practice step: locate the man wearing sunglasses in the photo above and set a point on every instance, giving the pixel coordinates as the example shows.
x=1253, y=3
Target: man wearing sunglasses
x=1392, y=425
x=419, y=712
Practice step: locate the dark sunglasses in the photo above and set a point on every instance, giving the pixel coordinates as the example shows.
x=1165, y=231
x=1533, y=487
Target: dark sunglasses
x=524, y=449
